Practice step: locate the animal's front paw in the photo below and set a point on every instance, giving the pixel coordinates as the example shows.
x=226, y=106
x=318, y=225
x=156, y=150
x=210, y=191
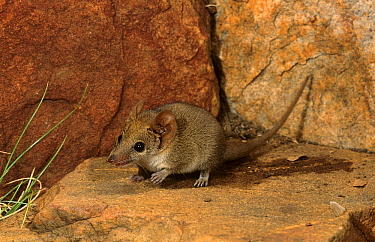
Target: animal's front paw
x=157, y=178
x=136, y=178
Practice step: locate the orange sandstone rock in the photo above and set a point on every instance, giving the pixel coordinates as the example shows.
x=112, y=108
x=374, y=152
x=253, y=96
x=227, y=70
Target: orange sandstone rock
x=125, y=50
x=268, y=47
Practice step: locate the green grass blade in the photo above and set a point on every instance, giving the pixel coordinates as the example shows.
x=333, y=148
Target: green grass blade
x=20, y=137
x=49, y=163
x=28, y=195
x=14, y=190
x=44, y=135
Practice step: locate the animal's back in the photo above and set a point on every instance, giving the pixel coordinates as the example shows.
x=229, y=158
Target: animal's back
x=200, y=142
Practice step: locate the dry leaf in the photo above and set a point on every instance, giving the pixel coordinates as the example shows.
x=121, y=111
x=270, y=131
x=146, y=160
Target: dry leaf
x=338, y=210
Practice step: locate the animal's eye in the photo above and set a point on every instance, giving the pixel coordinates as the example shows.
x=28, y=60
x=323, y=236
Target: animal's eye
x=119, y=138
x=139, y=146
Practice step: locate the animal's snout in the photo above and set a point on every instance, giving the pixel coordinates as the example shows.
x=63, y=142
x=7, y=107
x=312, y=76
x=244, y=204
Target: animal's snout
x=111, y=159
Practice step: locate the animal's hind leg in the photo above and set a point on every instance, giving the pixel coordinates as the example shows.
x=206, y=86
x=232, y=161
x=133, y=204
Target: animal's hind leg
x=203, y=179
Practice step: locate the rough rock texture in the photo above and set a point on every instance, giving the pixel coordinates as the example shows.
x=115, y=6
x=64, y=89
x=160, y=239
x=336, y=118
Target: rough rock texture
x=125, y=50
x=278, y=195
x=267, y=49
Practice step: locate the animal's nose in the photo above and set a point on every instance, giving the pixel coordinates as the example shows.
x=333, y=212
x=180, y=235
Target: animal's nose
x=111, y=159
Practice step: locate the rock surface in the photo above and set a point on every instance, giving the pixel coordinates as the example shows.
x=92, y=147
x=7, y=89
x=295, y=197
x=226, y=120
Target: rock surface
x=278, y=195
x=125, y=50
x=269, y=47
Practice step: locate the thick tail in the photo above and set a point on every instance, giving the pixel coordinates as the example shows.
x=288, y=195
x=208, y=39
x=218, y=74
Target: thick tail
x=236, y=149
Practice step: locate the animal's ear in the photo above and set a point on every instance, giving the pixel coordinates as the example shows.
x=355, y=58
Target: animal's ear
x=136, y=110
x=165, y=125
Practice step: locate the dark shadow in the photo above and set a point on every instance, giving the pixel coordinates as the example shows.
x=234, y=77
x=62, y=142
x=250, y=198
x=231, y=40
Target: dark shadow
x=359, y=228
x=301, y=125
x=247, y=171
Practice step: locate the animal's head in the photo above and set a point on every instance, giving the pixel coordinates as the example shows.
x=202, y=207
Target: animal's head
x=144, y=136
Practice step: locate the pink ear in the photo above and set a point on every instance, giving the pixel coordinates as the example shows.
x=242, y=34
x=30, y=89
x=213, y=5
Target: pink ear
x=136, y=110
x=165, y=125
